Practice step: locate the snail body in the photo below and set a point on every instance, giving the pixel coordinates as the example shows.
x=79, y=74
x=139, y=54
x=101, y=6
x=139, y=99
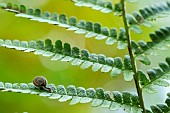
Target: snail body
x=41, y=82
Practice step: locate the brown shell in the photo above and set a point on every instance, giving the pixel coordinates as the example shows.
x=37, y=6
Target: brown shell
x=40, y=81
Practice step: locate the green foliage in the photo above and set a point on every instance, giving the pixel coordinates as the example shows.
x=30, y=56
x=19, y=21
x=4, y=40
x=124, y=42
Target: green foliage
x=157, y=76
x=82, y=58
x=80, y=27
x=149, y=13
x=98, y=98
x=103, y=6
x=160, y=108
x=130, y=102
x=160, y=41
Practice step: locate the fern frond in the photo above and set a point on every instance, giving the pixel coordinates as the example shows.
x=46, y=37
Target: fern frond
x=160, y=41
x=80, y=27
x=65, y=53
x=157, y=76
x=161, y=108
x=98, y=98
x=150, y=13
x=101, y=5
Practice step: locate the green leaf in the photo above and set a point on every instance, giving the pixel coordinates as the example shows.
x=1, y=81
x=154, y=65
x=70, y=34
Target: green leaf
x=77, y=62
x=75, y=100
x=106, y=69
x=114, y=106
x=126, y=108
x=150, y=13
x=128, y=75
x=127, y=62
x=88, y=28
x=126, y=97
x=103, y=6
x=82, y=58
x=57, y=57
x=98, y=97
x=2, y=85
x=164, y=67
x=157, y=76
x=160, y=41
x=106, y=104
x=85, y=100
x=147, y=24
x=163, y=108
x=142, y=58
x=136, y=29
x=55, y=96
x=111, y=41
x=45, y=94
x=161, y=82
x=96, y=67
x=96, y=102
x=168, y=60
x=168, y=94
x=136, y=110
x=115, y=72
x=65, y=98
x=149, y=89
x=118, y=9
x=142, y=78
x=1, y=42
x=148, y=111
x=71, y=90
x=155, y=109
x=168, y=102
x=86, y=65
x=122, y=45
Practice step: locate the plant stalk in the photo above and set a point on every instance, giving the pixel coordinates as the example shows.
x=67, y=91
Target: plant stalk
x=134, y=67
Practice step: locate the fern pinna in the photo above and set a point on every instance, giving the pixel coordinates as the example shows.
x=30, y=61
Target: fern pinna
x=137, y=51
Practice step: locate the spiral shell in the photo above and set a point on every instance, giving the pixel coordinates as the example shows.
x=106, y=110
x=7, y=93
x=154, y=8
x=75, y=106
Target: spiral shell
x=40, y=81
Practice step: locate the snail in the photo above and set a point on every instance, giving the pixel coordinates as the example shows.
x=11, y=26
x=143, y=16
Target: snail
x=41, y=82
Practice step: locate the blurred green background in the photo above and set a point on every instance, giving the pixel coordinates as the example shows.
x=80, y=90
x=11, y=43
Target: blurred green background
x=16, y=66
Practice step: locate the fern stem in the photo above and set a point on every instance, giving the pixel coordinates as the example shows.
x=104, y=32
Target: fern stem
x=136, y=79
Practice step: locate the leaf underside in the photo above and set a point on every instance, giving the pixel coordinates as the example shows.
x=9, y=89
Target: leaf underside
x=160, y=41
x=149, y=13
x=160, y=108
x=98, y=98
x=82, y=58
x=88, y=28
x=101, y=5
x=157, y=76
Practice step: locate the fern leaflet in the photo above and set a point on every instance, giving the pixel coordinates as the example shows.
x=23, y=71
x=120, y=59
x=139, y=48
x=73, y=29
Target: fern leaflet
x=150, y=13
x=98, y=98
x=65, y=53
x=80, y=27
x=103, y=6
x=161, y=108
x=157, y=76
x=160, y=41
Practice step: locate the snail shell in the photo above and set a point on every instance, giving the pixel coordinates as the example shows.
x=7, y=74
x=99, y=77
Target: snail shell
x=41, y=82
